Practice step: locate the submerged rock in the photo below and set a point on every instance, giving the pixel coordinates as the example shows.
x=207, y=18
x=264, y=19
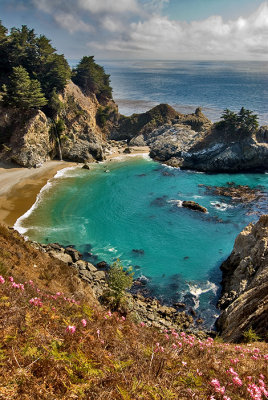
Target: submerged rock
x=238, y=193
x=244, y=298
x=194, y=206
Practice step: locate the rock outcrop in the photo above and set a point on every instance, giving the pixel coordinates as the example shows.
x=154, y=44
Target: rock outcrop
x=29, y=142
x=219, y=154
x=83, y=139
x=244, y=298
x=192, y=205
x=27, y=138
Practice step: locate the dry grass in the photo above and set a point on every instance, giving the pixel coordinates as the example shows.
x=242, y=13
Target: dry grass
x=60, y=346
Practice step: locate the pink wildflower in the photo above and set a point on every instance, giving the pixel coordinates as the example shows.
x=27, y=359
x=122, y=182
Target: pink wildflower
x=11, y=279
x=142, y=324
x=123, y=318
x=237, y=381
x=71, y=328
x=2, y=280
x=84, y=322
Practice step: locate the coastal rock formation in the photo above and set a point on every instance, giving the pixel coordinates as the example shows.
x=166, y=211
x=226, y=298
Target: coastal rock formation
x=165, y=130
x=244, y=298
x=29, y=144
x=29, y=141
x=192, y=205
x=83, y=139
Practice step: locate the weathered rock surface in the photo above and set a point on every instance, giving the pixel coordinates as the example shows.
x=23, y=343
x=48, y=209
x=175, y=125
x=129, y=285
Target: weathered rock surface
x=28, y=138
x=219, y=153
x=192, y=205
x=28, y=142
x=244, y=298
x=83, y=140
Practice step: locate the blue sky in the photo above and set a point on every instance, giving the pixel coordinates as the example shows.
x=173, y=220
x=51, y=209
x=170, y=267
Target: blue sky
x=147, y=29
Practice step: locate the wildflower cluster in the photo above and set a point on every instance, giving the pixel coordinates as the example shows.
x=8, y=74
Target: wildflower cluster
x=54, y=346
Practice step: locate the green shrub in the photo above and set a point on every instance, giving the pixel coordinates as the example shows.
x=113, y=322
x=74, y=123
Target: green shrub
x=118, y=281
x=250, y=336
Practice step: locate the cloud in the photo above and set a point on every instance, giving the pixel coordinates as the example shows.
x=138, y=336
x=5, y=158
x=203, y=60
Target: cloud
x=211, y=38
x=108, y=7
x=72, y=23
x=139, y=28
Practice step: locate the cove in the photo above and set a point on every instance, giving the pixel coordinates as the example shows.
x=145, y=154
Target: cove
x=130, y=208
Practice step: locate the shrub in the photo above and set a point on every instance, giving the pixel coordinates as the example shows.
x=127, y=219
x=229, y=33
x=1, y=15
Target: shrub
x=118, y=281
x=250, y=336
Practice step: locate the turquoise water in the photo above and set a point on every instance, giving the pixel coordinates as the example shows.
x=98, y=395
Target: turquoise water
x=129, y=205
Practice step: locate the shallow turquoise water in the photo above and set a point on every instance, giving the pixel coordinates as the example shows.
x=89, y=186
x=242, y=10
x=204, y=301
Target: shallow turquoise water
x=125, y=205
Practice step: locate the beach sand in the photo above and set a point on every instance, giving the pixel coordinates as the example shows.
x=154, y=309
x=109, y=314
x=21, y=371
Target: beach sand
x=19, y=186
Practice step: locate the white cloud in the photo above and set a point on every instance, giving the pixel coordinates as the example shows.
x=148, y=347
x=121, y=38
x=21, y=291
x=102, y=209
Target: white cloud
x=108, y=6
x=138, y=28
x=211, y=38
x=72, y=23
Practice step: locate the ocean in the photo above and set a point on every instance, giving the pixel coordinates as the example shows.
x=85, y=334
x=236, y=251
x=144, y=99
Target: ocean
x=186, y=85
x=130, y=208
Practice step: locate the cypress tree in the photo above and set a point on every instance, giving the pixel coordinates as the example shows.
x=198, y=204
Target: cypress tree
x=22, y=92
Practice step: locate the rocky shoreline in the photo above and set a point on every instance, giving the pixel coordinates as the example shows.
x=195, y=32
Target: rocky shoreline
x=243, y=301
x=138, y=307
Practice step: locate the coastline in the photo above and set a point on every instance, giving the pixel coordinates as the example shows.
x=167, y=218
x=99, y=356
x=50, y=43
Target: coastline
x=20, y=186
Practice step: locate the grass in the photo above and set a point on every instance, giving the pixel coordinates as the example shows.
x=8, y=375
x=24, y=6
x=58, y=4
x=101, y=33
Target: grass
x=59, y=345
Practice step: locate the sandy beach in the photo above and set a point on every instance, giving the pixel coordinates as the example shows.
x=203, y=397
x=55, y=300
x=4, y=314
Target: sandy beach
x=20, y=186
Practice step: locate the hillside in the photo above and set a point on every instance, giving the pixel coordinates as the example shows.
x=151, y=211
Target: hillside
x=58, y=342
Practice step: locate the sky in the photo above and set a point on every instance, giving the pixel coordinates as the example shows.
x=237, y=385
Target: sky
x=147, y=29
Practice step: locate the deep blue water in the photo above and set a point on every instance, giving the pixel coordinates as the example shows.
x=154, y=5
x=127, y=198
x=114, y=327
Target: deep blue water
x=136, y=206
x=213, y=85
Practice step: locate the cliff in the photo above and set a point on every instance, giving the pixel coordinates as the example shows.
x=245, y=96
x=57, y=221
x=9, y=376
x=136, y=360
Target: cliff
x=28, y=140
x=244, y=298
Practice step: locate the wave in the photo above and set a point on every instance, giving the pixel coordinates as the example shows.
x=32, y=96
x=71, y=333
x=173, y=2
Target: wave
x=122, y=157
x=220, y=205
x=177, y=202
x=197, y=290
x=18, y=226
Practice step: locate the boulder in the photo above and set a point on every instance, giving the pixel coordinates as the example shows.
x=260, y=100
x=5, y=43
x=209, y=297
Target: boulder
x=194, y=206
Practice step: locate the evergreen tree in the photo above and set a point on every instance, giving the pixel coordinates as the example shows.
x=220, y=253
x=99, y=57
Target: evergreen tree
x=92, y=78
x=22, y=92
x=244, y=122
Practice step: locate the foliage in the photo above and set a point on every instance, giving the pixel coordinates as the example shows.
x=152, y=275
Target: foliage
x=102, y=116
x=118, y=281
x=244, y=122
x=92, y=79
x=23, y=48
x=250, y=336
x=56, y=345
x=23, y=92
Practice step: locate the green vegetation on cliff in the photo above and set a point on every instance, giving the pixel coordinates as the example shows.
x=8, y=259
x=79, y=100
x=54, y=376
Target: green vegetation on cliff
x=32, y=59
x=22, y=48
x=244, y=122
x=92, y=79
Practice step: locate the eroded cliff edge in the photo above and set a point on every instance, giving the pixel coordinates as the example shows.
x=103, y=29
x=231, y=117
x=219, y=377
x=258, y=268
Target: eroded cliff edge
x=244, y=298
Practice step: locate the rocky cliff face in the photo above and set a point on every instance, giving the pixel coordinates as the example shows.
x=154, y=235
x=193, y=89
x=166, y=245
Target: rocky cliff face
x=29, y=143
x=244, y=298
x=27, y=139
x=218, y=153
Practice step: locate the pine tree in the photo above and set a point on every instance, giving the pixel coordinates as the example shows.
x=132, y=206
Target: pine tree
x=22, y=92
x=92, y=78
